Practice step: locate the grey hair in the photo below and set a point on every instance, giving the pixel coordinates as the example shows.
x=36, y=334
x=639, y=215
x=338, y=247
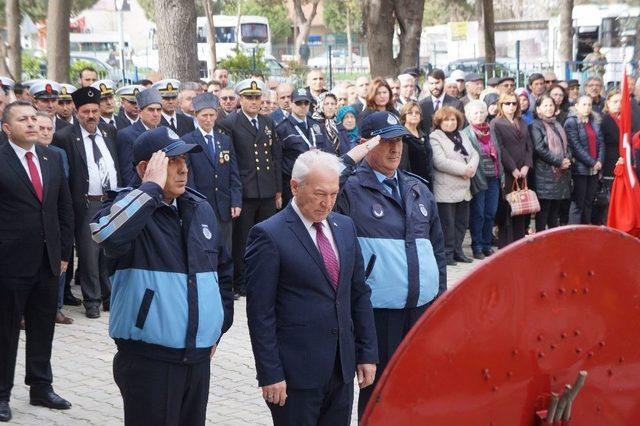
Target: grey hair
x=473, y=106
x=314, y=159
x=191, y=85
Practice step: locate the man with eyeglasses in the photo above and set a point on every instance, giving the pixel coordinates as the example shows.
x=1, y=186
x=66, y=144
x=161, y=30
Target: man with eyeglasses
x=283, y=98
x=593, y=89
x=506, y=85
x=260, y=165
x=550, y=79
x=298, y=133
x=407, y=90
x=342, y=95
x=228, y=101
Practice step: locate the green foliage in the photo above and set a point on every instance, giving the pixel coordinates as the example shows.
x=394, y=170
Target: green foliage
x=335, y=15
x=31, y=66
x=439, y=12
x=242, y=65
x=76, y=65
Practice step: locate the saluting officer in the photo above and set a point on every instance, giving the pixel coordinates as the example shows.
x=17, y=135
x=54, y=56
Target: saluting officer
x=129, y=111
x=298, y=133
x=65, y=108
x=176, y=121
x=215, y=173
x=260, y=163
x=107, y=101
x=396, y=220
x=45, y=96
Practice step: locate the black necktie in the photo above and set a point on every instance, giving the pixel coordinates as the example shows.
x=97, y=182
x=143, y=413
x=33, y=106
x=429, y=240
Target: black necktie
x=172, y=123
x=255, y=123
x=211, y=146
x=393, y=185
x=101, y=163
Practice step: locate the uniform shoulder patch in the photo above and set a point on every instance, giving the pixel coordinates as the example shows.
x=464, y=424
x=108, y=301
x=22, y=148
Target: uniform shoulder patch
x=195, y=193
x=414, y=176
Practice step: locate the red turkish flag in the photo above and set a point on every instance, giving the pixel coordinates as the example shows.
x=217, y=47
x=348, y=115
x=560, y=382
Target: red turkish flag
x=624, y=204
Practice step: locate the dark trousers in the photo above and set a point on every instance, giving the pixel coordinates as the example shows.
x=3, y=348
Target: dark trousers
x=330, y=405
x=225, y=229
x=391, y=327
x=254, y=210
x=92, y=262
x=510, y=228
x=584, y=192
x=482, y=213
x=454, y=218
x=549, y=214
x=161, y=393
x=35, y=298
x=600, y=212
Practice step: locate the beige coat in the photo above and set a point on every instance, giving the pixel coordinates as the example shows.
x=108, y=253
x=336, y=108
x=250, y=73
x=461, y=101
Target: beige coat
x=449, y=183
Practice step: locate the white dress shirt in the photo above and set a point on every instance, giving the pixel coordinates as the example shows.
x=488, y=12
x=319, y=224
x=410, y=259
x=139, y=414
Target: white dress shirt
x=440, y=99
x=22, y=156
x=326, y=229
x=95, y=184
x=173, y=117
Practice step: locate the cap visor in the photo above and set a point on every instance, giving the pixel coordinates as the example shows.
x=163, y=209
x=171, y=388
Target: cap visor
x=391, y=133
x=183, y=149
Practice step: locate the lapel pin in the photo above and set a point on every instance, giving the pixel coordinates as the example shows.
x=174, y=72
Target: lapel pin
x=44, y=158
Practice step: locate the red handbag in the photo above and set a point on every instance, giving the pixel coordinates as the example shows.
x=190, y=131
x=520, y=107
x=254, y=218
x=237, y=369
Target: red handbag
x=523, y=201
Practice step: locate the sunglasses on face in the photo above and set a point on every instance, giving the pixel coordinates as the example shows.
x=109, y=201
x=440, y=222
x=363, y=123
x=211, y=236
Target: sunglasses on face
x=228, y=98
x=510, y=103
x=301, y=103
x=551, y=81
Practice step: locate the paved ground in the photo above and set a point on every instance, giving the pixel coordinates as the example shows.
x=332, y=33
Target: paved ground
x=82, y=368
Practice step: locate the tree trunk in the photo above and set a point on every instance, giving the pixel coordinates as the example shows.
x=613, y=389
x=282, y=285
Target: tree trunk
x=636, y=49
x=14, y=49
x=303, y=23
x=480, y=16
x=349, y=41
x=565, y=31
x=212, y=38
x=177, y=39
x=489, y=35
x=379, y=17
x=58, y=40
x=4, y=69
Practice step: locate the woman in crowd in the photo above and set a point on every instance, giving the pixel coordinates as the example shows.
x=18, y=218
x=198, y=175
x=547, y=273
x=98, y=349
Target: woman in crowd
x=516, y=151
x=610, y=127
x=490, y=98
x=346, y=121
x=325, y=114
x=487, y=181
x=379, y=98
x=523, y=99
x=587, y=149
x=551, y=162
x=417, y=156
x=561, y=99
x=454, y=162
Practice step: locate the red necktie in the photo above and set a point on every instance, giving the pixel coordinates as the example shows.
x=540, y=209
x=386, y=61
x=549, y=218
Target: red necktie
x=328, y=255
x=33, y=174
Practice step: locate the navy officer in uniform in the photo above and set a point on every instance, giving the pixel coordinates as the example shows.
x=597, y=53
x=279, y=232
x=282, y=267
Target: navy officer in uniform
x=260, y=164
x=129, y=112
x=176, y=121
x=399, y=231
x=215, y=173
x=107, y=101
x=297, y=133
x=171, y=299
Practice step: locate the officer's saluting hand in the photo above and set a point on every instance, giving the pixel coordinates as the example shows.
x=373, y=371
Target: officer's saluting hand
x=156, y=171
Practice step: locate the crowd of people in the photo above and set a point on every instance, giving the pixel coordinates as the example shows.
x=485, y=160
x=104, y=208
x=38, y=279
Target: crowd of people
x=194, y=194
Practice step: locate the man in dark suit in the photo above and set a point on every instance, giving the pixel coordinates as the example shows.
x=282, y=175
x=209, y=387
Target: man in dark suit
x=171, y=118
x=36, y=234
x=129, y=111
x=308, y=306
x=436, y=98
x=362, y=89
x=283, y=95
x=215, y=174
x=149, y=102
x=260, y=163
x=93, y=170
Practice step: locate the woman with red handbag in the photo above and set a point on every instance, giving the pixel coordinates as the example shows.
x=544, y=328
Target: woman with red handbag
x=516, y=148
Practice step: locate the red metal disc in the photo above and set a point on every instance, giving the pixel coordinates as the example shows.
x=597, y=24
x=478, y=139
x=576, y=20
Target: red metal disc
x=520, y=326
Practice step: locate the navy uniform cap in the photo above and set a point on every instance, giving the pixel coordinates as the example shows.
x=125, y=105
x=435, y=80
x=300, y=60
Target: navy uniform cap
x=161, y=139
x=204, y=101
x=383, y=124
x=300, y=95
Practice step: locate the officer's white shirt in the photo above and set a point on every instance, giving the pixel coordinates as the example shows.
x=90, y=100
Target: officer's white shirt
x=173, y=117
x=22, y=156
x=95, y=184
x=326, y=229
x=131, y=119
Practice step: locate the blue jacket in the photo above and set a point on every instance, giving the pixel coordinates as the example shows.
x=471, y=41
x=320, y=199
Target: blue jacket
x=217, y=178
x=277, y=116
x=293, y=144
x=124, y=145
x=297, y=321
x=410, y=268
x=579, y=145
x=171, y=296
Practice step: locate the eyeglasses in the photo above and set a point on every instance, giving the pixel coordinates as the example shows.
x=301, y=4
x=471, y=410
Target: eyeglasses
x=228, y=98
x=510, y=103
x=551, y=81
x=301, y=103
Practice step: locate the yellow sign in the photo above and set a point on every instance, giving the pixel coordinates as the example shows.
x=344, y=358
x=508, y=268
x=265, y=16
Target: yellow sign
x=458, y=31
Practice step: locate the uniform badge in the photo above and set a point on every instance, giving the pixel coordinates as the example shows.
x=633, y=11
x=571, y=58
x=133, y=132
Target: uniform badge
x=206, y=232
x=316, y=129
x=391, y=119
x=423, y=210
x=267, y=131
x=377, y=210
x=226, y=157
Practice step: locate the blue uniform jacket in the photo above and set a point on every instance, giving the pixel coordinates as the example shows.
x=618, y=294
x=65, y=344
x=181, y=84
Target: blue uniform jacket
x=297, y=321
x=124, y=145
x=217, y=178
x=293, y=144
x=410, y=268
x=171, y=296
